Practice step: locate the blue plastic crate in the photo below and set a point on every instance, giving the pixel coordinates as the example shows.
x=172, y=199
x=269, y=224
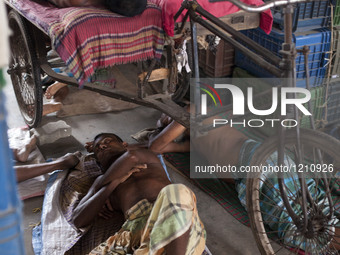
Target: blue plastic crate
x=333, y=103
x=318, y=41
x=306, y=16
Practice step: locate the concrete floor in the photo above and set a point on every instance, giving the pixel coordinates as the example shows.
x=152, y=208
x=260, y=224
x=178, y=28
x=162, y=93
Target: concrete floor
x=225, y=235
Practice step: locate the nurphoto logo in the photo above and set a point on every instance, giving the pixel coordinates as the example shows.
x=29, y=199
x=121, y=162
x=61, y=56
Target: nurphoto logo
x=239, y=100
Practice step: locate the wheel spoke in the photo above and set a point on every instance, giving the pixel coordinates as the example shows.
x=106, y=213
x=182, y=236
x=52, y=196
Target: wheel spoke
x=24, y=71
x=265, y=194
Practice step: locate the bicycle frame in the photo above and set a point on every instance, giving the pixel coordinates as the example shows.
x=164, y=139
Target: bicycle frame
x=269, y=62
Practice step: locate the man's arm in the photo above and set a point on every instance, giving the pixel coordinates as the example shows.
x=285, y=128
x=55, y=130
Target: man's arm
x=119, y=169
x=90, y=206
x=163, y=142
x=29, y=171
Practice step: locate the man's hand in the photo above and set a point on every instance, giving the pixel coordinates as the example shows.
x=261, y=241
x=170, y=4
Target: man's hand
x=122, y=168
x=135, y=169
x=70, y=160
x=89, y=146
x=141, y=166
x=107, y=211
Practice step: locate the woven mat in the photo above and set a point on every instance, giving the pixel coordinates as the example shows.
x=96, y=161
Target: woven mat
x=225, y=194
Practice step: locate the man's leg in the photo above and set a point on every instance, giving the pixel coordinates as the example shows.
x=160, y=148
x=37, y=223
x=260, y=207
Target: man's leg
x=179, y=245
x=22, y=154
x=58, y=91
x=174, y=214
x=52, y=90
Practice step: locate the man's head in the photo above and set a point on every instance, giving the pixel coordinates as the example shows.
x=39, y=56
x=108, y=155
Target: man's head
x=127, y=8
x=107, y=147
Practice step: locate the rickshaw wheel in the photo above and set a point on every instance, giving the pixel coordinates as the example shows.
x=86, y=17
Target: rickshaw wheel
x=24, y=70
x=273, y=227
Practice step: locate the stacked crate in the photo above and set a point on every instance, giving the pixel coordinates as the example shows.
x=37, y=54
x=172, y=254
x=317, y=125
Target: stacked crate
x=333, y=102
x=319, y=42
x=311, y=22
x=310, y=27
x=219, y=63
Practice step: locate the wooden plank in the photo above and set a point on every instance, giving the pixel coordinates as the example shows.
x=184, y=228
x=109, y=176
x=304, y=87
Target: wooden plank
x=239, y=21
x=156, y=75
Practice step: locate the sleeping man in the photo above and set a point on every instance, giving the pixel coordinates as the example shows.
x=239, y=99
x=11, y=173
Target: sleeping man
x=226, y=145
x=160, y=217
x=127, y=8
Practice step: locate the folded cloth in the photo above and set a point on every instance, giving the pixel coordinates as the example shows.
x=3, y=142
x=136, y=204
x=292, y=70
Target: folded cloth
x=149, y=228
x=218, y=9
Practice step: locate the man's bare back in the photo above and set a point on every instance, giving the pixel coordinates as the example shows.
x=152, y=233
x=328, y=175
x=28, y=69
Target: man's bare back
x=219, y=146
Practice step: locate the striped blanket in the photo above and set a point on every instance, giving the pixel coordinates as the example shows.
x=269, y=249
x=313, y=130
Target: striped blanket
x=91, y=38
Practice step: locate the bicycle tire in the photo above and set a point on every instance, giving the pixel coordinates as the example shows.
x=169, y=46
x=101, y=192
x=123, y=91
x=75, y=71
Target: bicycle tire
x=24, y=70
x=329, y=147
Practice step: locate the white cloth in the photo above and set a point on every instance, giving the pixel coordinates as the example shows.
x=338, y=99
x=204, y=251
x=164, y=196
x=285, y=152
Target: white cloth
x=33, y=187
x=4, y=34
x=57, y=233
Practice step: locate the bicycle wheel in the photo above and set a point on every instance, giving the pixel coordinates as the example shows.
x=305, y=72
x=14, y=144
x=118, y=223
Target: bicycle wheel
x=270, y=221
x=25, y=71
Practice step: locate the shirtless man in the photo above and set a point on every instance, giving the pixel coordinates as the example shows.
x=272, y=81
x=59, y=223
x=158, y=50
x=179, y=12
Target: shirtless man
x=134, y=178
x=223, y=151
x=226, y=145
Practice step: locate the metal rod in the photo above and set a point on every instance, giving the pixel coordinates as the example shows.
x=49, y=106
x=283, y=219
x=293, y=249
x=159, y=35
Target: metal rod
x=305, y=50
x=265, y=6
x=289, y=53
x=291, y=74
x=197, y=95
x=183, y=23
x=179, y=12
